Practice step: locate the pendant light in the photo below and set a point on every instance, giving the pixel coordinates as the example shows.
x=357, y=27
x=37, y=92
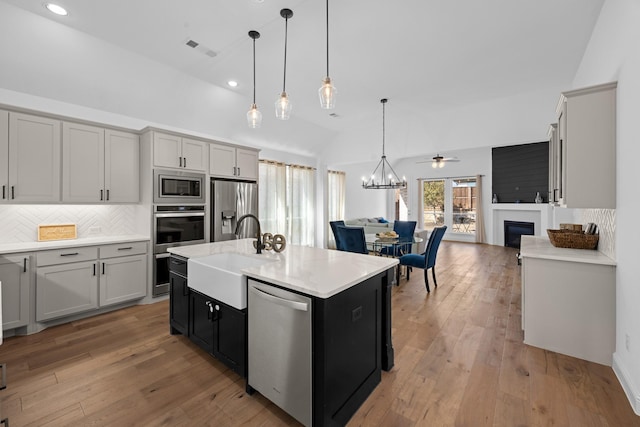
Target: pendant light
x=383, y=176
x=283, y=106
x=327, y=92
x=254, y=116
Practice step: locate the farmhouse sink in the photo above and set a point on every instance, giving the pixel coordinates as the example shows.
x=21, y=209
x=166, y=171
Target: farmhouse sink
x=219, y=276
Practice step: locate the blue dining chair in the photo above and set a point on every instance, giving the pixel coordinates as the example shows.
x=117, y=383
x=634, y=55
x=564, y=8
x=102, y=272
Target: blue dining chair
x=427, y=260
x=334, y=225
x=404, y=230
x=352, y=239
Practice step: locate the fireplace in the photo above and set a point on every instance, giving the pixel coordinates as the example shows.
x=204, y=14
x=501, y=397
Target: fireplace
x=514, y=229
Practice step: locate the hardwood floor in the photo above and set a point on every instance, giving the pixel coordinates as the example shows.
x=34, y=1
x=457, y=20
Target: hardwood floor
x=459, y=361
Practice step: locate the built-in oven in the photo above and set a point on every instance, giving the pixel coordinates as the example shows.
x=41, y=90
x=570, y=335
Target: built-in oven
x=177, y=187
x=173, y=226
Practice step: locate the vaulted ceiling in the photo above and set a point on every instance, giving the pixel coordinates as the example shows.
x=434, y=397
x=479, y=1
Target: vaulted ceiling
x=426, y=56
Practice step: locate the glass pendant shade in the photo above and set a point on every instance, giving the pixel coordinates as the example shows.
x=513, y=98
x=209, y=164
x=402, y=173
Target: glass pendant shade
x=254, y=117
x=283, y=106
x=328, y=94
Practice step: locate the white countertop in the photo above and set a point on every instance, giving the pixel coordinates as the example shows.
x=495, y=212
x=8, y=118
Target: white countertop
x=7, y=248
x=541, y=247
x=313, y=271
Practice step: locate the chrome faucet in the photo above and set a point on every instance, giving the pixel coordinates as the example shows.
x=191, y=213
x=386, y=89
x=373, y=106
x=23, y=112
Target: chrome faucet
x=259, y=244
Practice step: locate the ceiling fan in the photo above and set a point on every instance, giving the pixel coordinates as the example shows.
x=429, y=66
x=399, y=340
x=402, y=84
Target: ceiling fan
x=438, y=161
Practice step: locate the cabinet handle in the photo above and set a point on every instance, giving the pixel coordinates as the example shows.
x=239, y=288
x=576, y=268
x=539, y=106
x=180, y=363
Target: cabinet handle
x=234, y=171
x=4, y=191
x=107, y=194
x=103, y=268
x=180, y=161
x=24, y=265
x=70, y=254
x=101, y=194
x=94, y=268
x=125, y=248
x=184, y=161
x=238, y=171
x=13, y=192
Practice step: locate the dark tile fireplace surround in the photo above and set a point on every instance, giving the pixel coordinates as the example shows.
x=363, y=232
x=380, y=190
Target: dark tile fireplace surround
x=513, y=230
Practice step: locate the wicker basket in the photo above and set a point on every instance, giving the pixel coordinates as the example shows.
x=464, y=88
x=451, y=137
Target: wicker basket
x=572, y=239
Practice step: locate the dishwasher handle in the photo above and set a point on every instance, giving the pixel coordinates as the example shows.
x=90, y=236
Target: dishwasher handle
x=295, y=305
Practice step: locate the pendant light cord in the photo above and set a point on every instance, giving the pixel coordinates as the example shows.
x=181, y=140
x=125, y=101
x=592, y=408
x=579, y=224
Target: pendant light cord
x=383, y=103
x=327, y=38
x=284, y=81
x=254, y=71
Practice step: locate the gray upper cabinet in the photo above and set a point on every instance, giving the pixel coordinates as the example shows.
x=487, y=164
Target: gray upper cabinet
x=586, y=148
x=172, y=151
x=30, y=162
x=99, y=165
x=233, y=162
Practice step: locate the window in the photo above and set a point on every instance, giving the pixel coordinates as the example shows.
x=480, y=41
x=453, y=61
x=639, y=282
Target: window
x=450, y=202
x=336, y=189
x=287, y=201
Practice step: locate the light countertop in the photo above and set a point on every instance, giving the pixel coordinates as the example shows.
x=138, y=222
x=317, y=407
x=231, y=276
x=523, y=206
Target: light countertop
x=7, y=248
x=313, y=271
x=541, y=247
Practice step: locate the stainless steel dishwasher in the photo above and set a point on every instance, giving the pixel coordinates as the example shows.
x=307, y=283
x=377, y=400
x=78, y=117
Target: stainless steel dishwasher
x=279, y=348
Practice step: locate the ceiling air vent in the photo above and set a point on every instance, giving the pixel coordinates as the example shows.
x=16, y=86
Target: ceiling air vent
x=192, y=43
x=200, y=48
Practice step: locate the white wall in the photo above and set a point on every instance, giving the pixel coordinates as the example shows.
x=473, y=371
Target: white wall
x=613, y=54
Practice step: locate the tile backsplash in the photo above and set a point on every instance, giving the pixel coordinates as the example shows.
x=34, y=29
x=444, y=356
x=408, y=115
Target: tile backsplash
x=19, y=223
x=605, y=219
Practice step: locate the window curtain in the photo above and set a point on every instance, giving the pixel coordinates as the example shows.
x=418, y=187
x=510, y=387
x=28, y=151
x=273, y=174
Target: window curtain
x=287, y=201
x=301, y=205
x=272, y=197
x=336, y=190
x=480, y=236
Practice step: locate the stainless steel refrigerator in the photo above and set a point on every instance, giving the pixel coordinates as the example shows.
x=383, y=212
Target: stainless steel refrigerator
x=230, y=200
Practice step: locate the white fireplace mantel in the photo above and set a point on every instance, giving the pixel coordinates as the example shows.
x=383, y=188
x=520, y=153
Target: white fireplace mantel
x=538, y=213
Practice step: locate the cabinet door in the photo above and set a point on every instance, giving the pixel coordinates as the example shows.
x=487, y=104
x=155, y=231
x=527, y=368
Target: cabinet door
x=82, y=163
x=167, y=150
x=178, y=304
x=561, y=155
x=247, y=164
x=66, y=289
x=34, y=159
x=194, y=155
x=123, y=279
x=230, y=337
x=4, y=151
x=15, y=276
x=201, y=321
x=222, y=160
x=121, y=167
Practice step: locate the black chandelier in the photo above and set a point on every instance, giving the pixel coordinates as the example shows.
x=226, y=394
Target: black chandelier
x=383, y=176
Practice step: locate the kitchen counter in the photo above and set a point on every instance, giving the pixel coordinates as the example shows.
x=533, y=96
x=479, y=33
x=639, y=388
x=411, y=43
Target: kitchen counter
x=541, y=248
x=317, y=272
x=8, y=248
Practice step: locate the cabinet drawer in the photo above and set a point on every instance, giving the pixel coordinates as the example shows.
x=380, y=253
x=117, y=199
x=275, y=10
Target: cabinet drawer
x=123, y=249
x=65, y=256
x=178, y=265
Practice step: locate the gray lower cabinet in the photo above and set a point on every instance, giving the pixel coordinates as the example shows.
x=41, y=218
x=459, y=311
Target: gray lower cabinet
x=15, y=275
x=76, y=280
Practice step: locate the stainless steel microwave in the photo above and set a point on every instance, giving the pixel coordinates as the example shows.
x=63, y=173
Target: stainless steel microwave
x=177, y=187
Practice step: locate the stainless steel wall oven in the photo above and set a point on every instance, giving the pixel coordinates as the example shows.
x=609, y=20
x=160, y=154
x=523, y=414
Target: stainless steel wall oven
x=173, y=226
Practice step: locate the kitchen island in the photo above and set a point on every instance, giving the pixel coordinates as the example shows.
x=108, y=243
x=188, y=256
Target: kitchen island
x=349, y=337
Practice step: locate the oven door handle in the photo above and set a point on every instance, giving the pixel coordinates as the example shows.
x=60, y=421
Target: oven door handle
x=163, y=255
x=178, y=215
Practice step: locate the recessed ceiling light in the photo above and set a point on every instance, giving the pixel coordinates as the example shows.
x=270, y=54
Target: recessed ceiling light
x=58, y=10
x=232, y=83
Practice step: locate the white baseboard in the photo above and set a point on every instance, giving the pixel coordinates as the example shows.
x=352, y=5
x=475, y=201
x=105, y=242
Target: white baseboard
x=633, y=394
